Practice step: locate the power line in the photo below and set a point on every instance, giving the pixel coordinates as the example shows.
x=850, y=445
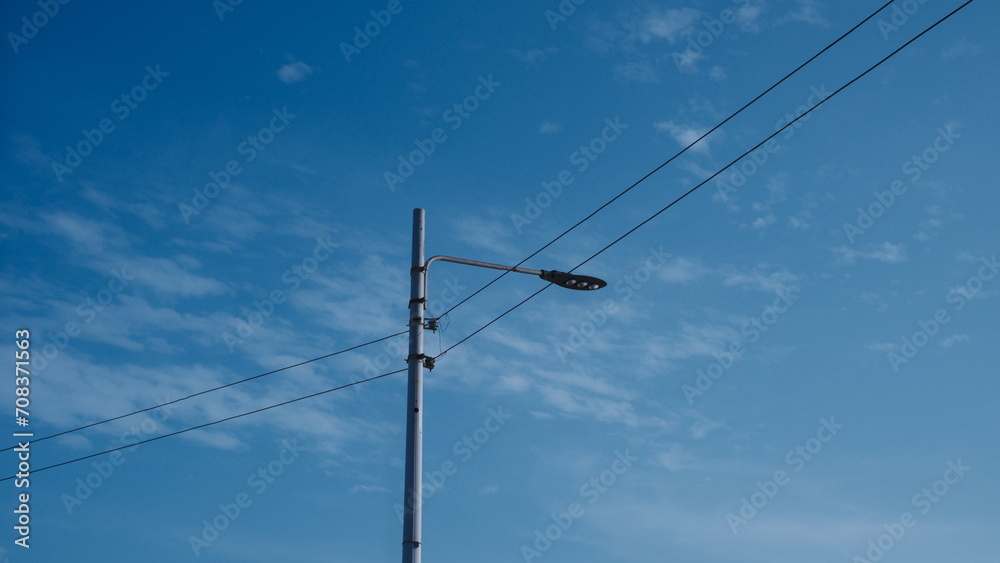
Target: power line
x=211, y=390
x=212, y=423
x=678, y=154
x=720, y=171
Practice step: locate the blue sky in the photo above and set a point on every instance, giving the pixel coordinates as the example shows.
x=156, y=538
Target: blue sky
x=794, y=363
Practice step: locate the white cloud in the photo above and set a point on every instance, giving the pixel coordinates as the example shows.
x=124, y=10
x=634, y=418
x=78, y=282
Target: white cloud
x=687, y=61
x=966, y=293
x=104, y=247
x=153, y=215
x=682, y=270
x=808, y=12
x=514, y=383
x=549, y=128
x=488, y=234
x=748, y=16
x=670, y=24
x=642, y=72
x=886, y=252
x=580, y=404
x=761, y=281
x=673, y=457
x=368, y=489
x=801, y=220
x=684, y=135
x=294, y=72
x=776, y=194
x=89, y=237
x=534, y=56
x=702, y=425
x=29, y=151
x=761, y=223
x=374, y=287
x=693, y=341
x=964, y=48
x=953, y=340
x=167, y=277
x=639, y=35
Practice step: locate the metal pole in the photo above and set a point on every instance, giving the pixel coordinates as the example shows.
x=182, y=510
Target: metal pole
x=412, y=499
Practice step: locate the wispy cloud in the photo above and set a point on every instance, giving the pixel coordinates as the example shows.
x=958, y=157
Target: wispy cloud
x=89, y=237
x=808, y=11
x=684, y=135
x=643, y=71
x=764, y=208
x=701, y=425
x=682, y=270
x=953, y=340
x=963, y=48
x=294, y=72
x=672, y=457
x=659, y=23
x=759, y=279
x=103, y=247
x=368, y=489
x=534, y=56
x=748, y=16
x=636, y=33
x=28, y=151
x=886, y=252
x=881, y=347
x=169, y=278
x=489, y=234
x=801, y=220
x=549, y=128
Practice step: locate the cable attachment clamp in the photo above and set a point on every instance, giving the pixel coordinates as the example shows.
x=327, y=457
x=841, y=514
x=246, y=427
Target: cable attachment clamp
x=428, y=360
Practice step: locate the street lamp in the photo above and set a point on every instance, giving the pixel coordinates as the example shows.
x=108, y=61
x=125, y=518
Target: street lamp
x=413, y=484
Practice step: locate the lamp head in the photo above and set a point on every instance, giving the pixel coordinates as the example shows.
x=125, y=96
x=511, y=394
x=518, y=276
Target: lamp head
x=573, y=281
